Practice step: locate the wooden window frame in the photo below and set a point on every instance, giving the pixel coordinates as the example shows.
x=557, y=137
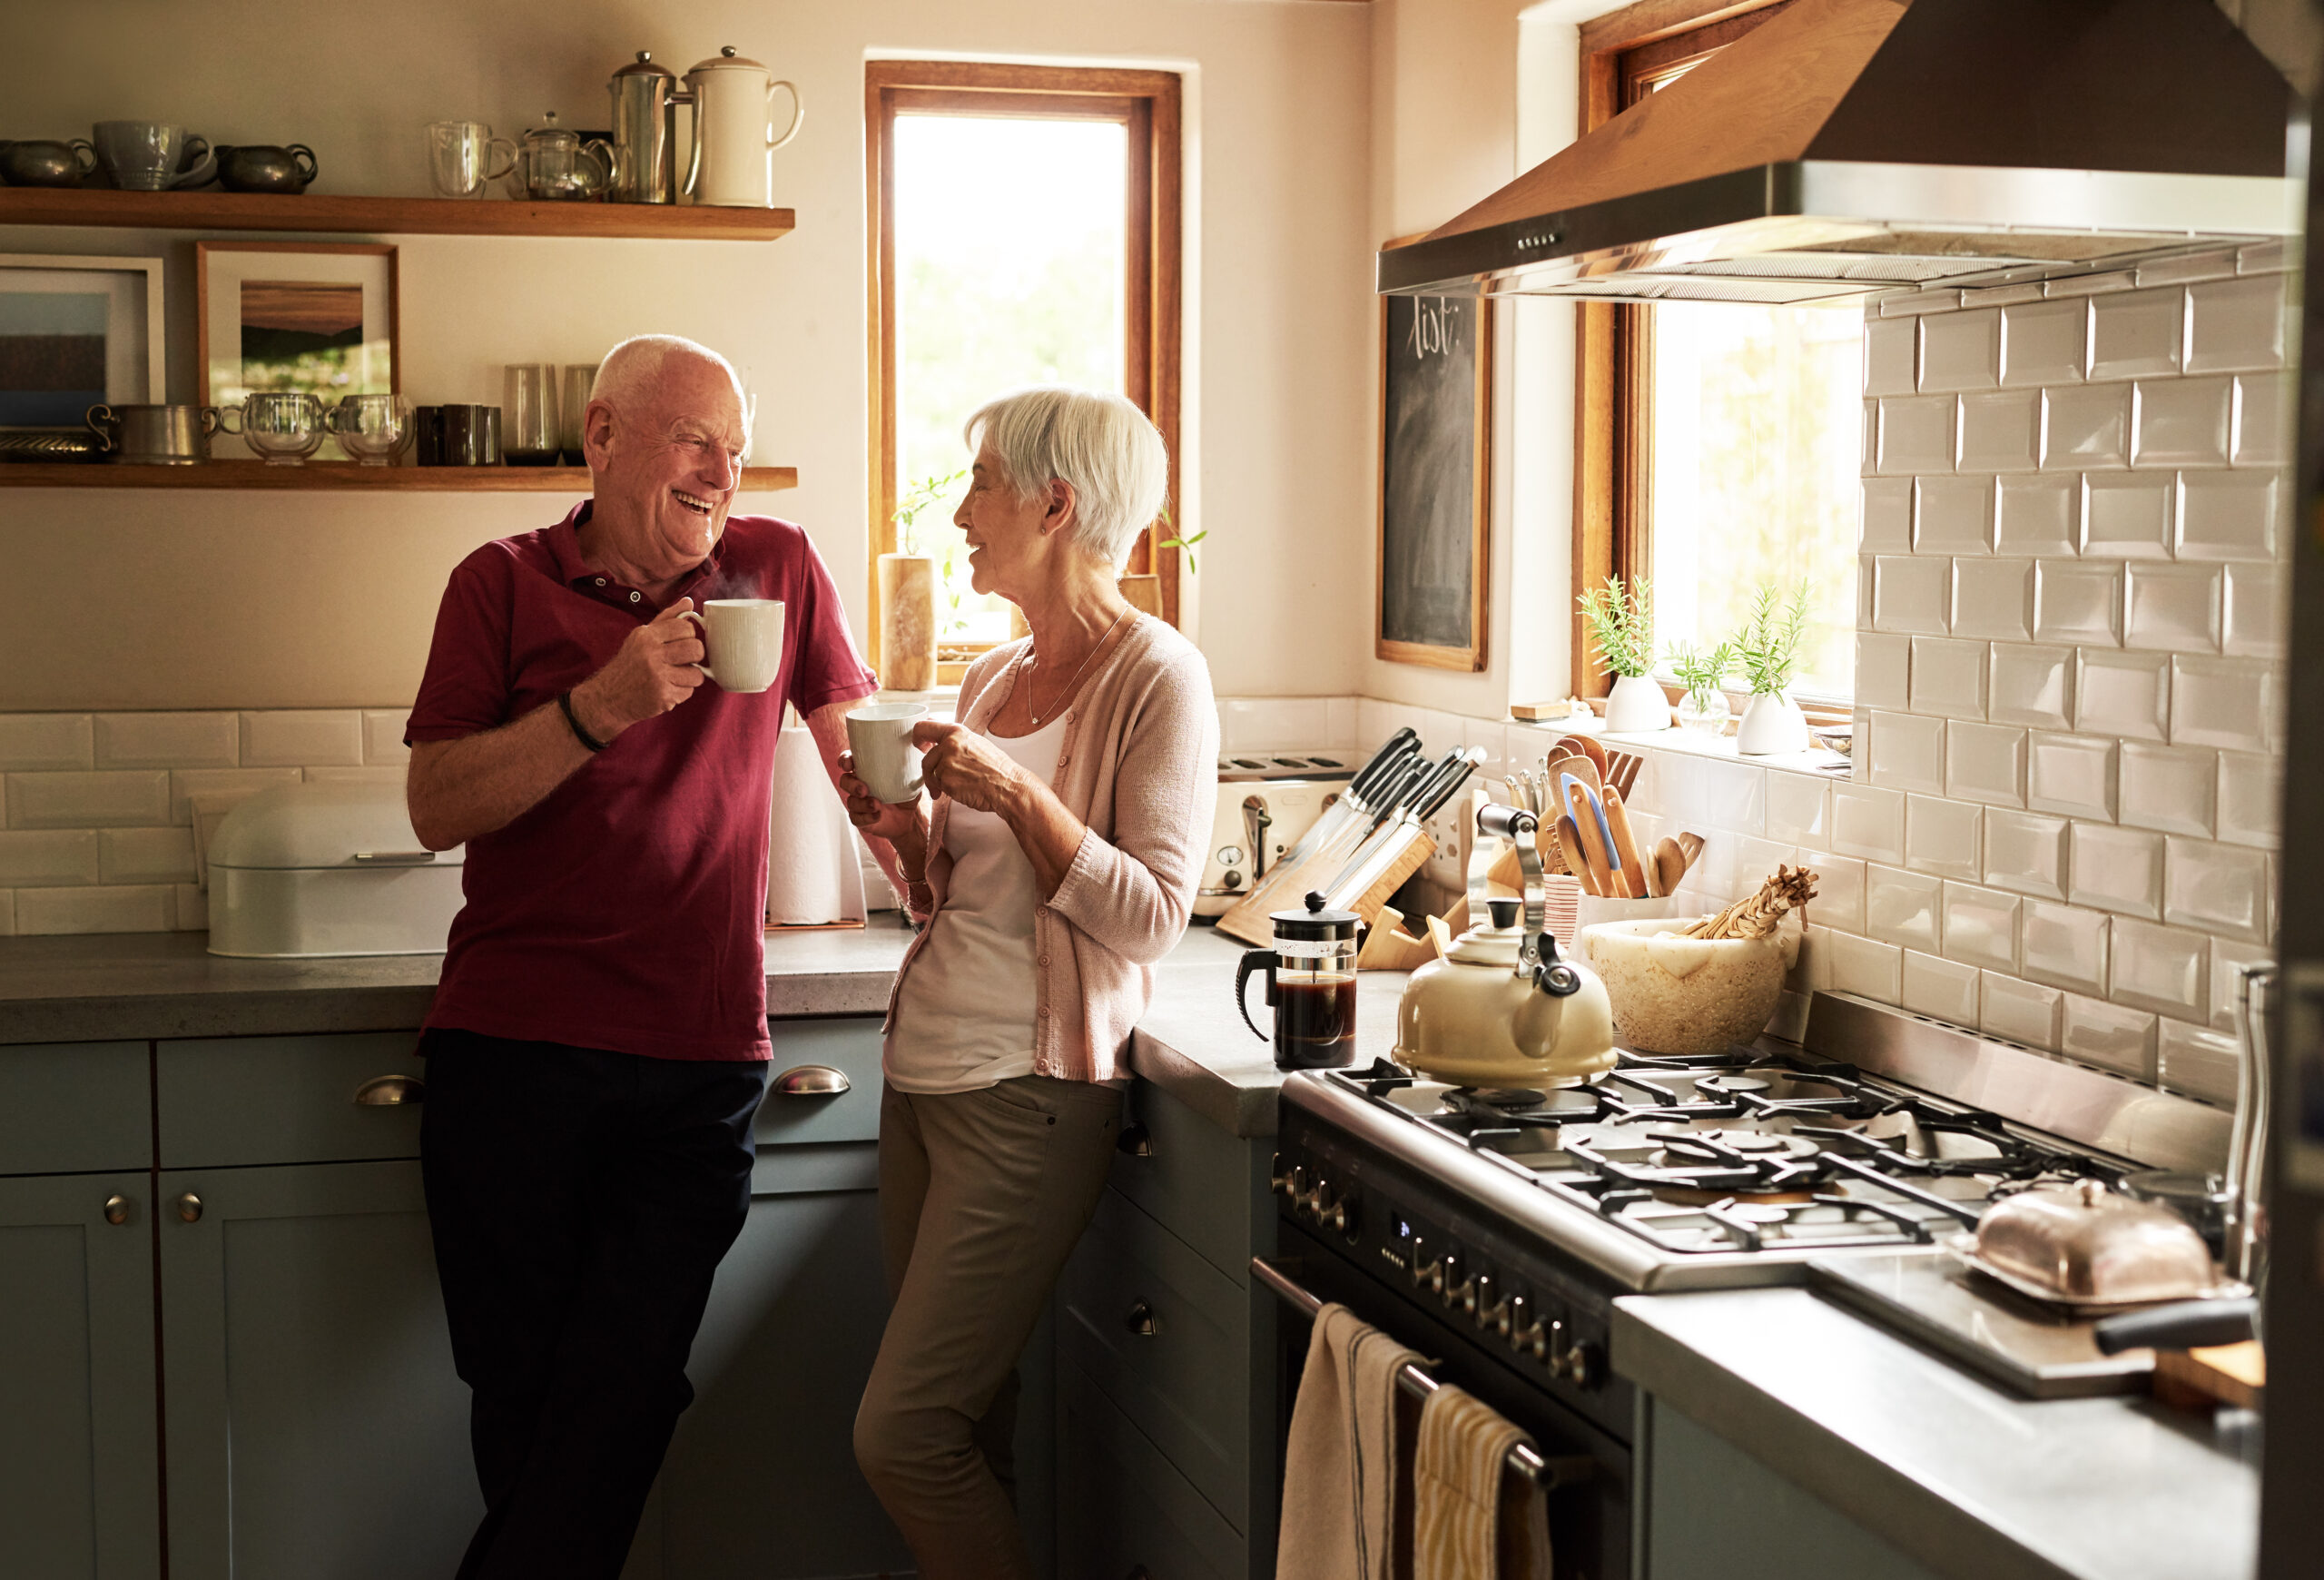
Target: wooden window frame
x=1147, y=104
x=1613, y=341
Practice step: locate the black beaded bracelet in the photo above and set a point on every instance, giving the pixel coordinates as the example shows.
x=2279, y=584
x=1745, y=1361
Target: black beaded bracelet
x=565, y=701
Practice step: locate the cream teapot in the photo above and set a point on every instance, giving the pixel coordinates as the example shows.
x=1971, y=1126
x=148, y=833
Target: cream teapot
x=1502, y=1009
x=734, y=138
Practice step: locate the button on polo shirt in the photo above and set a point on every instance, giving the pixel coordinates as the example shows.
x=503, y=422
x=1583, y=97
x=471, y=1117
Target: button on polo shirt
x=623, y=912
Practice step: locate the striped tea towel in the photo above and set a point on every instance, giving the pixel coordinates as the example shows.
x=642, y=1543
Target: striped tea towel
x=1339, y=1466
x=1457, y=1496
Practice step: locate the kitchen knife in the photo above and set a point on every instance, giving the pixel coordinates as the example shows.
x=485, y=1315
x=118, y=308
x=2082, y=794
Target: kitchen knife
x=1381, y=854
x=1355, y=801
x=1418, y=778
x=1247, y=919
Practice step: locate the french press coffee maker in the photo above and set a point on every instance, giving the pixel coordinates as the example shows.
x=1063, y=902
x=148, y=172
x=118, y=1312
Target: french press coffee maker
x=1310, y=983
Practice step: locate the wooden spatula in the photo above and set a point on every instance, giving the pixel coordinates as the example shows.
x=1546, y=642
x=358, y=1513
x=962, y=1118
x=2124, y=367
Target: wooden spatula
x=1594, y=849
x=1626, y=848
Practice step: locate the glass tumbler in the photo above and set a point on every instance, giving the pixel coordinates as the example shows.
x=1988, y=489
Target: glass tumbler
x=373, y=429
x=281, y=427
x=462, y=156
x=528, y=432
x=580, y=383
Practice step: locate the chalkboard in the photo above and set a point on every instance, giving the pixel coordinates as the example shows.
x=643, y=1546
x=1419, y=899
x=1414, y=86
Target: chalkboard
x=1436, y=479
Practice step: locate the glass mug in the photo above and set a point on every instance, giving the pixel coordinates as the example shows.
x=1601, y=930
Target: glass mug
x=462, y=155
x=573, y=413
x=528, y=431
x=373, y=429
x=281, y=427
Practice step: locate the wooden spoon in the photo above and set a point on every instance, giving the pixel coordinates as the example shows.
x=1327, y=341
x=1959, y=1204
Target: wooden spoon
x=1569, y=847
x=1669, y=867
x=1626, y=847
x=1594, y=850
x=1691, y=847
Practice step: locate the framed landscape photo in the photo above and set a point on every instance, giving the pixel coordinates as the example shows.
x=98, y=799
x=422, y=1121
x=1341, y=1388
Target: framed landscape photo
x=77, y=332
x=1436, y=479
x=302, y=316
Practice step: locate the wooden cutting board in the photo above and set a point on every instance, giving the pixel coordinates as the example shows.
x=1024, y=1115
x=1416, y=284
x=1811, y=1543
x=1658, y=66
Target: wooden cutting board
x=2225, y=1373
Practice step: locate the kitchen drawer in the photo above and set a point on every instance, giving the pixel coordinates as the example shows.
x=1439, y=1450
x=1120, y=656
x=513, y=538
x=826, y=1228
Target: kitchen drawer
x=1123, y=1512
x=1205, y=1185
x=850, y=1045
x=69, y=1107
x=236, y=1100
x=1186, y=1384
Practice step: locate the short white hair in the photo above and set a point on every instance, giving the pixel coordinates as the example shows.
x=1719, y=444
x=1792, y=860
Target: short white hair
x=1101, y=444
x=631, y=374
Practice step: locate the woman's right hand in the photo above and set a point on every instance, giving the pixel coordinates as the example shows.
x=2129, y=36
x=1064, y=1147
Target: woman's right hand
x=901, y=824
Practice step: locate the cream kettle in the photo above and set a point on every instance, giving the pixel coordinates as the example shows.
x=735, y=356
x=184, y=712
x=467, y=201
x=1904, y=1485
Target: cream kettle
x=734, y=138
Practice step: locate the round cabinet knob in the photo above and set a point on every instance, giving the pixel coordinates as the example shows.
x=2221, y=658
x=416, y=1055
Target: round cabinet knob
x=117, y=1209
x=190, y=1207
x=1135, y=1140
x=1140, y=1321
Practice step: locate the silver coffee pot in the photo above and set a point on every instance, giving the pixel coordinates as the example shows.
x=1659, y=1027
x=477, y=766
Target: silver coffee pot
x=647, y=96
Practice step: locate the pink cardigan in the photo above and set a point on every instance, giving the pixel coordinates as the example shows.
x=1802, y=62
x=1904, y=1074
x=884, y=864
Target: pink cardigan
x=1139, y=767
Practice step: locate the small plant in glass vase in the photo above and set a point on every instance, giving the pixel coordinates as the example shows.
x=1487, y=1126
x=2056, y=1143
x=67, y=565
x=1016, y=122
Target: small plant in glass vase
x=1766, y=650
x=908, y=593
x=1705, y=707
x=1621, y=617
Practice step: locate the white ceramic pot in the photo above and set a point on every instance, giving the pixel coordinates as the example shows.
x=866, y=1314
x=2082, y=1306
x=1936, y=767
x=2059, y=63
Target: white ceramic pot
x=1637, y=706
x=1772, y=723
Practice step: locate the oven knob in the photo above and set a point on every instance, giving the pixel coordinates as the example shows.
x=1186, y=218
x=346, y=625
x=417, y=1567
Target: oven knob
x=1456, y=1289
x=1526, y=1331
x=1315, y=1202
x=1287, y=1181
x=1426, y=1275
x=1578, y=1366
x=1491, y=1315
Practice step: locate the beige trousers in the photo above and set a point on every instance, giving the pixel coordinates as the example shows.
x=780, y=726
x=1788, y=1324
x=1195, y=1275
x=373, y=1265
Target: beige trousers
x=982, y=1195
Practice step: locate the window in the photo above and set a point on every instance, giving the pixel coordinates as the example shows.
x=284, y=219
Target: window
x=1024, y=229
x=1719, y=443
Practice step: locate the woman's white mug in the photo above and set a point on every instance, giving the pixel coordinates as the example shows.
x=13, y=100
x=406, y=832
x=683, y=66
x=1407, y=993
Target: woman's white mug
x=741, y=640
x=885, y=759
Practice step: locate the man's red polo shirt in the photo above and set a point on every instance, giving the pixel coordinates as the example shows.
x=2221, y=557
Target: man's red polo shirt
x=624, y=911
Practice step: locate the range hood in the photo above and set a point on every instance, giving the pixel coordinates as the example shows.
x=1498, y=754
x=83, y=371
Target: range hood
x=1847, y=149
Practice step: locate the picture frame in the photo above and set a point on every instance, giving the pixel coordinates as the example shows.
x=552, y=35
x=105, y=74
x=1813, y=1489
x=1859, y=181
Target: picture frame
x=75, y=332
x=1435, y=503
x=322, y=316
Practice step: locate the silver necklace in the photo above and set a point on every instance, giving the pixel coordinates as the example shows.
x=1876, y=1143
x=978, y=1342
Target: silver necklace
x=1058, y=700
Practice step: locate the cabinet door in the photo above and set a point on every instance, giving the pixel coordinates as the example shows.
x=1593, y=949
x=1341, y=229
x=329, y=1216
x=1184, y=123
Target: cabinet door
x=1123, y=1511
x=80, y=1479
x=316, y=1426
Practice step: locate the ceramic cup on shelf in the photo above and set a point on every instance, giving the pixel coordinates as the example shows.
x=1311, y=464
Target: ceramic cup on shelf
x=1637, y=706
x=151, y=156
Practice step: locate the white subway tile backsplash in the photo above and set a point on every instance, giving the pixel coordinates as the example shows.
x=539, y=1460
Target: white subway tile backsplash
x=2252, y=617
x=2038, y=515
x=193, y=908
x=2122, y=693
x=2168, y=788
x=1916, y=434
x=2250, y=798
x=2076, y=285
x=2070, y=774
x=2263, y=257
x=2078, y=601
x=1902, y=907
x=1868, y=822
x=1953, y=515
x=2219, y=888
x=2019, y=1012
x=1890, y=345
x=2174, y=608
x=2263, y=408
x=50, y=912
x=2001, y=432
x=1839, y=889
x=1735, y=795
x=2127, y=515
x=32, y=743
x=1940, y=989
x=2219, y=265
x=1887, y=512
x=1883, y=670
x=98, y=799
x=1943, y=836
x=1799, y=808
x=1755, y=860
x=2029, y=685
x=1948, y=677
x=237, y=782
x=1981, y=926
x=1911, y=596
x=2089, y=428
x=369, y=773
x=2228, y=959
x=44, y=858
x=1993, y=598
x=2025, y=853
x=2108, y=1036
x=1961, y=351
x=2065, y=945
x=1919, y=302
x=2181, y=422
x=1865, y=968
x=1908, y=751
x=2116, y=869
x=2223, y=702
x=1984, y=763
x=147, y=855
x=166, y=740
x=2236, y=324
x=2043, y=342
x=2137, y=333
x=7, y=913
x=2195, y=1062
x=2163, y=969
x=383, y=732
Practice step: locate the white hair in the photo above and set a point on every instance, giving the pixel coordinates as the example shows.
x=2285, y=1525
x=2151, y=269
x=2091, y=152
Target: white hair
x=1101, y=444
x=630, y=375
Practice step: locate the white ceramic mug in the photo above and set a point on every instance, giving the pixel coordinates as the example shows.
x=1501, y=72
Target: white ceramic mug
x=743, y=641
x=885, y=759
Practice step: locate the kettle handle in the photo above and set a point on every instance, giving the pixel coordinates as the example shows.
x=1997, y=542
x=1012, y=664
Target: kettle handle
x=1254, y=960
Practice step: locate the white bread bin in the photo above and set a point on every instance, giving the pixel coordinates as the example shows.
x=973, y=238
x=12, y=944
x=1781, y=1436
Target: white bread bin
x=302, y=871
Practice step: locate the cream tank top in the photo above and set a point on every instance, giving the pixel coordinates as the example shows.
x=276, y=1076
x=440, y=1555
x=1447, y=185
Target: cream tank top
x=964, y=1019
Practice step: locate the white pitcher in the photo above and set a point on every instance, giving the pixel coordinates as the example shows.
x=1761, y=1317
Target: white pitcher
x=733, y=131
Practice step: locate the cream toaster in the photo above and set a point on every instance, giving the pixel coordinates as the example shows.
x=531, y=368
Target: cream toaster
x=1266, y=800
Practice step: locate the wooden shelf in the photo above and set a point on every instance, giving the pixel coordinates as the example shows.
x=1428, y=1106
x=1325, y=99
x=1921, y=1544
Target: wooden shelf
x=340, y=476
x=385, y=216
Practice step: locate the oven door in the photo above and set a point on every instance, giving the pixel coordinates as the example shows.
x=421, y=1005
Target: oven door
x=1585, y=1472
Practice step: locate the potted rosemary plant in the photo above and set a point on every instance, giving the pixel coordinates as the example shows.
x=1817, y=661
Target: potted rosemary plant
x=1705, y=707
x=1766, y=650
x=908, y=594
x=1621, y=623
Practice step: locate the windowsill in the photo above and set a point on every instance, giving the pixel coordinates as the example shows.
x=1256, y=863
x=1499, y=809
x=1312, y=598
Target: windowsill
x=1817, y=761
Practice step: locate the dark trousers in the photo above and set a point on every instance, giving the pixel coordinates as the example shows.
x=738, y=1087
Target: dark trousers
x=580, y=1202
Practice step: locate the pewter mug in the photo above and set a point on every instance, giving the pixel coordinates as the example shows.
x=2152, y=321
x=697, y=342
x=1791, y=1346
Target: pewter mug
x=40, y=164
x=264, y=168
x=164, y=436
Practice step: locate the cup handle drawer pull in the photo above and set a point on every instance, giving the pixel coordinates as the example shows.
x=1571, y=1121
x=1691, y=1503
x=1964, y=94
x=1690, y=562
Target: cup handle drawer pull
x=190, y=1207
x=810, y=1080
x=1141, y=1320
x=390, y=1092
x=394, y=858
x=117, y=1209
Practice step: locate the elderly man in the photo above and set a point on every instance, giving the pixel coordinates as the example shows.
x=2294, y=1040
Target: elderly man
x=597, y=1043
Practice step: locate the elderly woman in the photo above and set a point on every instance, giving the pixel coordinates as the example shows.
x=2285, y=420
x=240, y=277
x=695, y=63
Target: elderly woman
x=1056, y=865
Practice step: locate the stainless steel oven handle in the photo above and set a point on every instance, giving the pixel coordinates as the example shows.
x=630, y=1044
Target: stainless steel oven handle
x=1565, y=1470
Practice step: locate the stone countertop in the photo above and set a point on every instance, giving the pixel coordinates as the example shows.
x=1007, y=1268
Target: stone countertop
x=1968, y=1479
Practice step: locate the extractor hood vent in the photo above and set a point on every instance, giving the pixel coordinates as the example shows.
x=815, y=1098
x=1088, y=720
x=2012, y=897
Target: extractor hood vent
x=1848, y=148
